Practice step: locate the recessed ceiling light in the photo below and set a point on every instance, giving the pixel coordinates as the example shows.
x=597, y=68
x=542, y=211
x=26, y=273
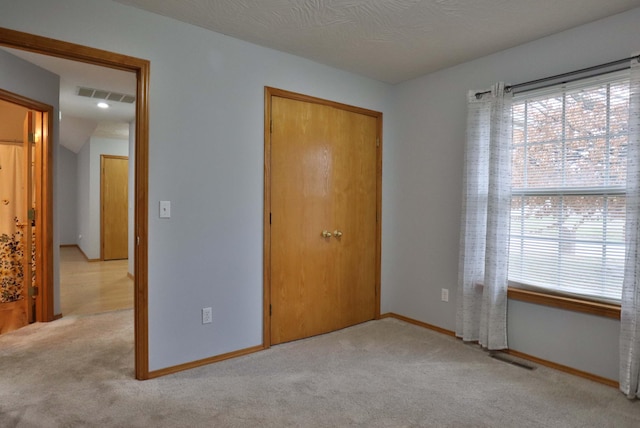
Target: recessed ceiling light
x=103, y=105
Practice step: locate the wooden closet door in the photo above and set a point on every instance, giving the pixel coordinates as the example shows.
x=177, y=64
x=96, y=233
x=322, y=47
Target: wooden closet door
x=323, y=179
x=354, y=216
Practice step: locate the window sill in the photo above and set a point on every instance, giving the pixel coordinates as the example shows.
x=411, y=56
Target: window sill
x=577, y=305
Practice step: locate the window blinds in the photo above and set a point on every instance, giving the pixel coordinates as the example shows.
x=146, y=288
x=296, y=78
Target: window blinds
x=568, y=188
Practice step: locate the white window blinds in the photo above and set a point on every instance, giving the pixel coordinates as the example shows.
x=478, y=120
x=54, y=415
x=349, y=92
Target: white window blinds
x=568, y=188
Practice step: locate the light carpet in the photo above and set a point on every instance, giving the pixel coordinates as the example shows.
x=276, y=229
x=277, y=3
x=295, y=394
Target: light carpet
x=78, y=372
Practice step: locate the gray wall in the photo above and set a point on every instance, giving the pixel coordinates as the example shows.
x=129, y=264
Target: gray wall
x=24, y=78
x=83, y=196
x=205, y=156
x=423, y=192
x=67, y=183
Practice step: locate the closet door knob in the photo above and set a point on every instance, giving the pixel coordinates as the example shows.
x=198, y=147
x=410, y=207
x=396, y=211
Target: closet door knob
x=337, y=234
x=326, y=234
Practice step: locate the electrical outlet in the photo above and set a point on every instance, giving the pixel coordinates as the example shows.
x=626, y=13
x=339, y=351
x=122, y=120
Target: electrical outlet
x=445, y=295
x=207, y=316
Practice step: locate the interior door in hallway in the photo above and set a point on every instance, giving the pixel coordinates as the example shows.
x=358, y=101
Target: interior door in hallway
x=114, y=207
x=324, y=234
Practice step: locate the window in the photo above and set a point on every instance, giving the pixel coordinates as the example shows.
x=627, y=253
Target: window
x=568, y=189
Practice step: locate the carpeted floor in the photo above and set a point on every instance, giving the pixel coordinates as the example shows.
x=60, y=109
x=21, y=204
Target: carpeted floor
x=78, y=372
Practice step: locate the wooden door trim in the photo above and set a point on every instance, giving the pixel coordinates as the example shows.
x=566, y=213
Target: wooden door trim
x=44, y=240
x=141, y=68
x=102, y=158
x=270, y=92
x=32, y=174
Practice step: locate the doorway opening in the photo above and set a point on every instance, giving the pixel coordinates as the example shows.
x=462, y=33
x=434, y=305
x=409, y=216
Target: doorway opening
x=140, y=67
x=24, y=209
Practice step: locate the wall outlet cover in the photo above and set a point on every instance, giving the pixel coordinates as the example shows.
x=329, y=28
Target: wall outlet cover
x=207, y=316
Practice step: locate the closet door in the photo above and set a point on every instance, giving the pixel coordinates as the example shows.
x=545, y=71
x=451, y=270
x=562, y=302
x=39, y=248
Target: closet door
x=323, y=218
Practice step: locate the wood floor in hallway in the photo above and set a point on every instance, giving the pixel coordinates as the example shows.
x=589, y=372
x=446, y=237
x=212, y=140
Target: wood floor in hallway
x=92, y=287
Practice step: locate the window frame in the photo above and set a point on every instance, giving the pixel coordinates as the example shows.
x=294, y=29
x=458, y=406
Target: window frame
x=548, y=297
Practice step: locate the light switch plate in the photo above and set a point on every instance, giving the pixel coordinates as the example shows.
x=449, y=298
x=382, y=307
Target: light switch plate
x=165, y=209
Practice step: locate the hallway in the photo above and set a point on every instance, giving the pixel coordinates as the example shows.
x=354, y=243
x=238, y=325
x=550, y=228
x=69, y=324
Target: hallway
x=93, y=287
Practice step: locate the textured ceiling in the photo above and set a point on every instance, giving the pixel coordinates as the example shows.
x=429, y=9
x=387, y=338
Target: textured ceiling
x=388, y=40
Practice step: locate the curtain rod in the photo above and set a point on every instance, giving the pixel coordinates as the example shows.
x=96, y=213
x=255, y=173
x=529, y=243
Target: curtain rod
x=569, y=74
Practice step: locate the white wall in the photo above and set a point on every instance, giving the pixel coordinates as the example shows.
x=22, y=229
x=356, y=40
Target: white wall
x=83, y=196
x=423, y=190
x=89, y=189
x=23, y=78
x=67, y=183
x=205, y=156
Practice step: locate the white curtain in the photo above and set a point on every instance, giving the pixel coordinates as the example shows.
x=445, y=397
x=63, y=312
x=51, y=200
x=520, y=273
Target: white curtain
x=484, y=240
x=11, y=187
x=630, y=306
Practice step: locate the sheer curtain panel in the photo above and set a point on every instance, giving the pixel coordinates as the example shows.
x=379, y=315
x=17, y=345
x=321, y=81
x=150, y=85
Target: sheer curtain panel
x=482, y=278
x=630, y=305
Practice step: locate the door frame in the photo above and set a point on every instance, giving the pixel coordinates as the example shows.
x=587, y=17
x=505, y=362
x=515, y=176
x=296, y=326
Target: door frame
x=44, y=208
x=270, y=92
x=102, y=199
x=141, y=68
